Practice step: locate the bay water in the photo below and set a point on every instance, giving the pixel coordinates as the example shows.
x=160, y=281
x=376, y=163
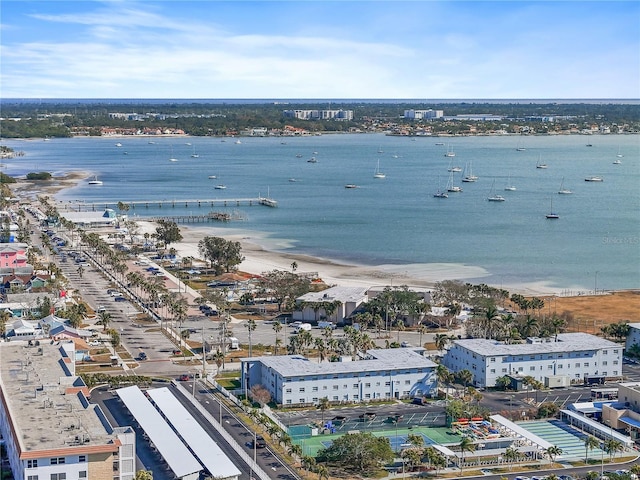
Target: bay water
x=595, y=244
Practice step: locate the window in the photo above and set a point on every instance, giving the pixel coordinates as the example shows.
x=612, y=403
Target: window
x=315, y=389
x=492, y=359
x=550, y=367
x=32, y=477
x=604, y=362
x=58, y=476
x=387, y=384
x=57, y=461
x=533, y=369
x=615, y=351
x=367, y=385
x=288, y=390
x=335, y=398
x=324, y=387
x=288, y=401
x=407, y=382
x=367, y=395
x=615, y=362
x=301, y=389
x=604, y=352
x=82, y=458
x=493, y=370
x=314, y=399
x=32, y=463
x=82, y=474
x=355, y=385
x=586, y=364
x=301, y=400
x=577, y=365
x=559, y=366
x=504, y=370
x=335, y=387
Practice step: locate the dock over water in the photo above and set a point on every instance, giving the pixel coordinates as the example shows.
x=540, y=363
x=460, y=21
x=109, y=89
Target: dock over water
x=209, y=203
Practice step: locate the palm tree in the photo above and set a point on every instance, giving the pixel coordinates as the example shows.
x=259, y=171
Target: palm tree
x=251, y=326
x=464, y=376
x=552, y=452
x=443, y=376
x=321, y=470
x=323, y=404
x=466, y=445
x=277, y=327
x=590, y=442
x=421, y=331
x=105, y=318
x=441, y=340
x=511, y=455
x=612, y=446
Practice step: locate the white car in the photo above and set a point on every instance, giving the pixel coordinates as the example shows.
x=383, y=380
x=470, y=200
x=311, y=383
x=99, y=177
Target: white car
x=95, y=343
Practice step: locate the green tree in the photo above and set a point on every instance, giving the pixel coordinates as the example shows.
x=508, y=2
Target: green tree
x=511, y=455
x=251, y=326
x=323, y=405
x=362, y=453
x=222, y=255
x=284, y=286
x=612, y=446
x=552, y=452
x=144, y=475
x=168, y=232
x=466, y=445
x=590, y=442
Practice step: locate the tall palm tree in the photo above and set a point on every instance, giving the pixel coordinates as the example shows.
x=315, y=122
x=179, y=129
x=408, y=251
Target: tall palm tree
x=612, y=446
x=421, y=331
x=324, y=404
x=511, y=455
x=552, y=452
x=105, y=318
x=441, y=340
x=590, y=442
x=464, y=376
x=251, y=326
x=277, y=327
x=466, y=445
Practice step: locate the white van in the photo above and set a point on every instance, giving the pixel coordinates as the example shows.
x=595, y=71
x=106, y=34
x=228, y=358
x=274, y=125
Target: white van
x=303, y=327
x=325, y=324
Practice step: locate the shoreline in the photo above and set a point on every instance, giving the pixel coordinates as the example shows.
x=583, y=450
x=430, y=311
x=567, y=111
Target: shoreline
x=259, y=258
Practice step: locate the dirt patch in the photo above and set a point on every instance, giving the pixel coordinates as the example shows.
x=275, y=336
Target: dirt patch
x=590, y=312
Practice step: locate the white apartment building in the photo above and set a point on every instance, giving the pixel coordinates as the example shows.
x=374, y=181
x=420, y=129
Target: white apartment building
x=633, y=337
x=50, y=430
x=381, y=374
x=569, y=359
x=423, y=114
x=346, y=300
x=319, y=114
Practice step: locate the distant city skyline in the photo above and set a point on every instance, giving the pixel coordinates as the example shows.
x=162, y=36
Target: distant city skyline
x=320, y=49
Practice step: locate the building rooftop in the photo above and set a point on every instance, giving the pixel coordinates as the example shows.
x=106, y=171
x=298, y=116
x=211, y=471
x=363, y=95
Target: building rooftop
x=391, y=359
x=343, y=294
x=567, y=342
x=46, y=401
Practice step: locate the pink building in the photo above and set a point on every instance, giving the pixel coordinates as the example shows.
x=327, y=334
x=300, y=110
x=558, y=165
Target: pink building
x=13, y=255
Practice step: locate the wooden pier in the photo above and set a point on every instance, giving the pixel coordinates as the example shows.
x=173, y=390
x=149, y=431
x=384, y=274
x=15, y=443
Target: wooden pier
x=209, y=217
x=209, y=203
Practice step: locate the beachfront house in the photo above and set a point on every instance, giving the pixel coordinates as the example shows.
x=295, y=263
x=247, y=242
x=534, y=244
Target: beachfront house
x=570, y=358
x=13, y=255
x=379, y=374
x=334, y=304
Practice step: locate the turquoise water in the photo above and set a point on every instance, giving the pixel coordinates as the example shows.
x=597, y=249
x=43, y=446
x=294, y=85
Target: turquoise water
x=394, y=220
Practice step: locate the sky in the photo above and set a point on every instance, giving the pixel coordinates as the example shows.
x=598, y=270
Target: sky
x=308, y=49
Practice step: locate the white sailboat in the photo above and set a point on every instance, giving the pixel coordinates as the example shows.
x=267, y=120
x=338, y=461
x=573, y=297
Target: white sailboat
x=172, y=158
x=563, y=190
x=493, y=196
x=453, y=168
x=451, y=187
x=619, y=155
x=551, y=215
x=469, y=177
x=95, y=181
x=194, y=154
x=509, y=187
x=450, y=152
x=440, y=193
x=540, y=164
x=378, y=173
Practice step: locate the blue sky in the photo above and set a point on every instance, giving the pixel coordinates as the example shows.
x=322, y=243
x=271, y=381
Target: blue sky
x=320, y=49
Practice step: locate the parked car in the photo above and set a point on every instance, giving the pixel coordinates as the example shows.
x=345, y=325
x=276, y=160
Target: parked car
x=185, y=377
x=260, y=443
x=142, y=356
x=177, y=351
x=120, y=299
